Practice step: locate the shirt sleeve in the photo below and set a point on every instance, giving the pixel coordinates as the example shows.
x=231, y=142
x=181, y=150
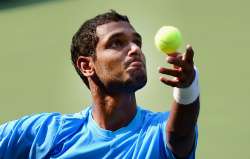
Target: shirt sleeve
x=168, y=151
x=28, y=137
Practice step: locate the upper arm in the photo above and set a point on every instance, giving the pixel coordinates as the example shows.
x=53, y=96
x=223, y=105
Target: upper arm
x=12, y=136
x=18, y=137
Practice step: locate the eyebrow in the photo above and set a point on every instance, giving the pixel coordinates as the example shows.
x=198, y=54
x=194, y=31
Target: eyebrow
x=137, y=35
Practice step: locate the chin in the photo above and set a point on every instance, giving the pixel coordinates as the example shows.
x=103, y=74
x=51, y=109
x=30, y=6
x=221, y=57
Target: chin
x=138, y=86
x=131, y=85
x=136, y=82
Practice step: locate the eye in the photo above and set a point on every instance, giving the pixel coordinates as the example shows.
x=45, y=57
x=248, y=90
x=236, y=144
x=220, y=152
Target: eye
x=116, y=44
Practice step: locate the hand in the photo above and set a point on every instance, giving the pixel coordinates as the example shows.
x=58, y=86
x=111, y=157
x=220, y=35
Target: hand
x=183, y=69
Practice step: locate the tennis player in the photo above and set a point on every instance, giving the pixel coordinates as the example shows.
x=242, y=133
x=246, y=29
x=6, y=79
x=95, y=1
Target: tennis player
x=106, y=53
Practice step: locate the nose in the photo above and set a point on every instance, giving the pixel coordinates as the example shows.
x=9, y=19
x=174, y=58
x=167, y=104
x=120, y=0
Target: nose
x=134, y=49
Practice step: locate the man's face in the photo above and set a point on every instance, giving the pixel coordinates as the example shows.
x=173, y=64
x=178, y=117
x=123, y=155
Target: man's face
x=119, y=62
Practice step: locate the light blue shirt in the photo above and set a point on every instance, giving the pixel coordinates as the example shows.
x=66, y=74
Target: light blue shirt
x=77, y=136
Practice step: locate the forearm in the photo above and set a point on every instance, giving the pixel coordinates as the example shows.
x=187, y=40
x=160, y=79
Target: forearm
x=181, y=127
x=183, y=118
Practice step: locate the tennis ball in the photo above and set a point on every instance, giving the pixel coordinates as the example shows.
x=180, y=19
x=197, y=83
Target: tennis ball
x=168, y=39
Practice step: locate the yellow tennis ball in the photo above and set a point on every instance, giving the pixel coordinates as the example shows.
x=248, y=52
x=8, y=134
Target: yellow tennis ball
x=168, y=39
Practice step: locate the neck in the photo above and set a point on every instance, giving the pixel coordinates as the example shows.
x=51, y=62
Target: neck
x=112, y=111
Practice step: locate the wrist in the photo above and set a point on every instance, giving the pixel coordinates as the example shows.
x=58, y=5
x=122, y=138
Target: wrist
x=189, y=94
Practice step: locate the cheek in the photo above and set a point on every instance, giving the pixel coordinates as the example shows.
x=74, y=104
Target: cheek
x=110, y=68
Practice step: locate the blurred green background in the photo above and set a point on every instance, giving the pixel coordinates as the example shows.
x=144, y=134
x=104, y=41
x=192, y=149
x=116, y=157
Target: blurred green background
x=37, y=76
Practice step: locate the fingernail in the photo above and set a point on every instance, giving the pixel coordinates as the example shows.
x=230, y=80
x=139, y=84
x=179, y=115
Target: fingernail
x=188, y=46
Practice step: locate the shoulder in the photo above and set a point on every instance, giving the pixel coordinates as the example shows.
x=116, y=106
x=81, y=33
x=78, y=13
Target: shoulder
x=71, y=123
x=153, y=120
x=154, y=116
x=21, y=134
x=32, y=122
x=42, y=122
x=38, y=133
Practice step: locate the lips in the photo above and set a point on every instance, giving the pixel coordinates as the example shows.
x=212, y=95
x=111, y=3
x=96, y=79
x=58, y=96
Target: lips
x=134, y=63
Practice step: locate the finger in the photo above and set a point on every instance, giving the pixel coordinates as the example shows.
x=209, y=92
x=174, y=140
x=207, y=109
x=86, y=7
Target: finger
x=171, y=72
x=174, y=54
x=170, y=82
x=180, y=56
x=189, y=55
x=177, y=61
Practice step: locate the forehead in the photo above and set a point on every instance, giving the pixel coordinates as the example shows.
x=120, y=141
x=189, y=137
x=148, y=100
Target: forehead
x=107, y=30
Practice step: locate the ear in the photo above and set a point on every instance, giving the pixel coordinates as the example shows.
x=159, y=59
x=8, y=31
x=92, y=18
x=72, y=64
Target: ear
x=85, y=65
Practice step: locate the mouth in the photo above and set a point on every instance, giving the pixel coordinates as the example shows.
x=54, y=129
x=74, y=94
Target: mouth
x=135, y=63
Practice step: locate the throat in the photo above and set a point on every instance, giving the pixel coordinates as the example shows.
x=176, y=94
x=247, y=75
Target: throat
x=114, y=113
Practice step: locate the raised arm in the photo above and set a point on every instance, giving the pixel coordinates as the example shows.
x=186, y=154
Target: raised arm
x=180, y=128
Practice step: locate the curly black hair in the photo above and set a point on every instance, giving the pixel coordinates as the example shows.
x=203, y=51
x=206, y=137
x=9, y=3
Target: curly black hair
x=85, y=39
